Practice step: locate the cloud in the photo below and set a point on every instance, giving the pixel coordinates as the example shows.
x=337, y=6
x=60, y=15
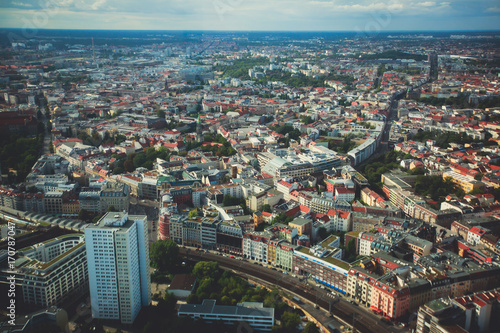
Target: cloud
x=493, y=10
x=252, y=14
x=98, y=4
x=21, y=4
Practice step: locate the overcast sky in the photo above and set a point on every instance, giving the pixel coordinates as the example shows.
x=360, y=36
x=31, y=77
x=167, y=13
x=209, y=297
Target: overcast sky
x=323, y=15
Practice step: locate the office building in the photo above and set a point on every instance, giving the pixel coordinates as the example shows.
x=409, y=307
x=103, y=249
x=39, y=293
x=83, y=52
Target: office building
x=253, y=313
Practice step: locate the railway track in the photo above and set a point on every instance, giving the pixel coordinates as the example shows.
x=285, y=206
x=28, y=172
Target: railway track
x=307, y=292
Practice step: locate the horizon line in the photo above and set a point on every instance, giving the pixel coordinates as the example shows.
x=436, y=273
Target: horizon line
x=184, y=30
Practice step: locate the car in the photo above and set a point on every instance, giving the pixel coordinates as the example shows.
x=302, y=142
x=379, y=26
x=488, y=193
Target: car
x=232, y=257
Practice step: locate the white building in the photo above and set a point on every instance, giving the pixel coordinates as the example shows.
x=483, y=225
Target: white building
x=255, y=247
x=365, y=242
x=118, y=264
x=344, y=194
x=339, y=221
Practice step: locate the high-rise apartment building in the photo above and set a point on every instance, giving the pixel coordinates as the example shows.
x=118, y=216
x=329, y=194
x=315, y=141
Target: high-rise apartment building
x=118, y=264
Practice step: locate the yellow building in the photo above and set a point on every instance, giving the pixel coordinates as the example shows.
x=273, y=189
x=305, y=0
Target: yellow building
x=466, y=183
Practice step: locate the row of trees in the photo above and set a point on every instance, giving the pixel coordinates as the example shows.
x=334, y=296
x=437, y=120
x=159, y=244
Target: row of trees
x=436, y=187
x=225, y=150
x=240, y=67
x=300, y=80
x=144, y=159
x=374, y=169
x=344, y=146
x=20, y=153
x=289, y=131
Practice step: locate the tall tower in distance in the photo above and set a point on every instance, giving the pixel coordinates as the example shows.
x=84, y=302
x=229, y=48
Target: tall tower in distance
x=118, y=265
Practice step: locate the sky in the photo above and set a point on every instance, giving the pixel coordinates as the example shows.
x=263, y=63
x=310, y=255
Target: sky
x=367, y=16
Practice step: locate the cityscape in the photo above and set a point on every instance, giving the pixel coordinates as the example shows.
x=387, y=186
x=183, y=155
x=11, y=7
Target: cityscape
x=249, y=181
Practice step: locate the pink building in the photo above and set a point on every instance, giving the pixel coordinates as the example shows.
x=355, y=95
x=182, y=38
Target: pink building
x=390, y=300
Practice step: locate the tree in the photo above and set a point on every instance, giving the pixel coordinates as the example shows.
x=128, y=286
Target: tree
x=139, y=160
x=306, y=120
x=160, y=114
x=290, y=321
x=112, y=209
x=164, y=254
x=350, y=249
x=322, y=233
x=85, y=215
x=310, y=328
x=169, y=302
x=267, y=208
x=206, y=269
x=229, y=200
x=118, y=170
x=129, y=166
x=193, y=213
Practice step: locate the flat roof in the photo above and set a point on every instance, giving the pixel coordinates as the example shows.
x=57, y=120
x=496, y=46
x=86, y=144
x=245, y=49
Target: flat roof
x=182, y=282
x=243, y=309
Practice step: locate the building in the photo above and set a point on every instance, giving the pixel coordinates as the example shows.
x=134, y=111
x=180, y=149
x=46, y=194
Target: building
x=253, y=313
x=255, y=246
x=439, y=315
x=466, y=183
x=475, y=234
x=182, y=285
x=99, y=198
x=360, y=283
x=51, y=272
x=365, y=242
x=303, y=226
x=323, y=264
x=115, y=195
x=390, y=297
x=118, y=261
x=284, y=255
x=344, y=194
x=339, y=221
x=53, y=202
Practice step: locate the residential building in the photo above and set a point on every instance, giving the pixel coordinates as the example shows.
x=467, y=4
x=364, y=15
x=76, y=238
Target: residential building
x=51, y=272
x=119, y=267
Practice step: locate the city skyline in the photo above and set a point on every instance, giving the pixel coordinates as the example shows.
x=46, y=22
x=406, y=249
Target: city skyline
x=235, y=15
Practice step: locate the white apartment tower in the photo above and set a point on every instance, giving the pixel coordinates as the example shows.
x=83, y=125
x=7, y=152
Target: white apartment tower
x=118, y=265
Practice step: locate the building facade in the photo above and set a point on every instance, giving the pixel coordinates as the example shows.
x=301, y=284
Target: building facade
x=119, y=267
